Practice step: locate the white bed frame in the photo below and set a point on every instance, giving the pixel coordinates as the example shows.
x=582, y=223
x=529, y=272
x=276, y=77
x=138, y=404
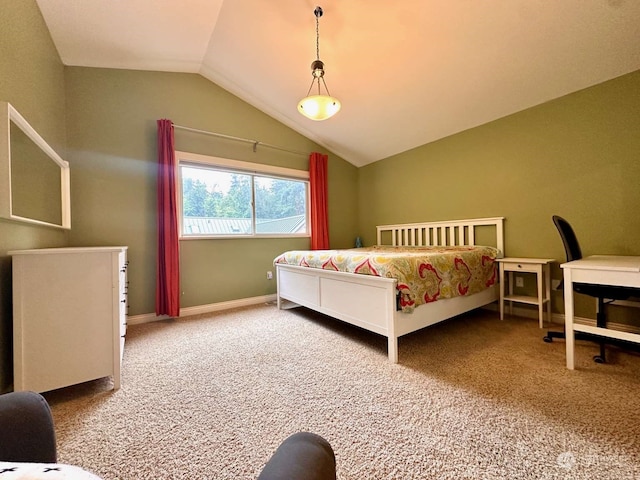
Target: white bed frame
x=332, y=293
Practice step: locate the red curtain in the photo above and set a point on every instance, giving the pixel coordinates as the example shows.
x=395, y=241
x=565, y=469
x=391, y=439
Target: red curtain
x=319, y=216
x=168, y=269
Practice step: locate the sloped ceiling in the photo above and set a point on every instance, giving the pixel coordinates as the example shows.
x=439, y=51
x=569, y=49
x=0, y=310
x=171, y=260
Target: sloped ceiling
x=407, y=72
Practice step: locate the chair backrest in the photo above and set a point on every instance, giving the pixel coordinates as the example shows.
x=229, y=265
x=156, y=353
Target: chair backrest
x=569, y=239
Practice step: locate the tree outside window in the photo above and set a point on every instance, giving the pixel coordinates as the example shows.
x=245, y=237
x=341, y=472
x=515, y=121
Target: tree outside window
x=219, y=202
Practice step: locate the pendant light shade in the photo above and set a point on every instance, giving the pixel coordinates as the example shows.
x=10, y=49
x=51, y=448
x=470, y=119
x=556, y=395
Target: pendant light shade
x=318, y=106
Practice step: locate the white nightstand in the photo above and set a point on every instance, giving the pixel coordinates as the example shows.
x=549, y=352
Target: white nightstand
x=542, y=268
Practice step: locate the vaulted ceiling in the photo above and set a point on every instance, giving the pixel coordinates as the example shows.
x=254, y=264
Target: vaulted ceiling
x=407, y=72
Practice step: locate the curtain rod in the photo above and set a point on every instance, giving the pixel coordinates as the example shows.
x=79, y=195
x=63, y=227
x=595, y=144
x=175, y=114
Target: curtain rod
x=246, y=140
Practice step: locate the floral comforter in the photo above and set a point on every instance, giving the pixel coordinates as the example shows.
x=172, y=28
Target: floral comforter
x=424, y=274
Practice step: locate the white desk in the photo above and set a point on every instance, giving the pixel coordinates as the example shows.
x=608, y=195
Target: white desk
x=602, y=270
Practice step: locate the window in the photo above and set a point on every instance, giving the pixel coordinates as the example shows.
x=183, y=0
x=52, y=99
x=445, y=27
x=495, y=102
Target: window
x=227, y=198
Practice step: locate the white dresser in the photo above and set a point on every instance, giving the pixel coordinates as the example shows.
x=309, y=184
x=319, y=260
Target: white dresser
x=69, y=316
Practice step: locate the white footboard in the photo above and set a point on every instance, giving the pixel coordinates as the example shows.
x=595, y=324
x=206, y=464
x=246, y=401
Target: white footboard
x=362, y=300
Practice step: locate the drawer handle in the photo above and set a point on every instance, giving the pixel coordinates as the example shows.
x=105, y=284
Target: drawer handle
x=519, y=266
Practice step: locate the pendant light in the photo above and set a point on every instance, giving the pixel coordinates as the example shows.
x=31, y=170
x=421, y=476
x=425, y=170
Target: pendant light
x=318, y=107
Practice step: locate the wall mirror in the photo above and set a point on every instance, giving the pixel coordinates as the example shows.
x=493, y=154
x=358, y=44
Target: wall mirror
x=34, y=180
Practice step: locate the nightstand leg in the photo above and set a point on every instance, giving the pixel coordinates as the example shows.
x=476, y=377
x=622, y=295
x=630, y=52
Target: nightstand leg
x=501, y=291
x=510, y=292
x=547, y=283
x=540, y=293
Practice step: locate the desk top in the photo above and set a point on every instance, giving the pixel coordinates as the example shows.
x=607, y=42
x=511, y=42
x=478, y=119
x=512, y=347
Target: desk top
x=617, y=263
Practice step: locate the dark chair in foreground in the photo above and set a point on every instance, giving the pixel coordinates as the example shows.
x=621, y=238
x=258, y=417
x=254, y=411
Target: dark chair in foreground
x=27, y=435
x=603, y=293
x=26, y=429
x=302, y=456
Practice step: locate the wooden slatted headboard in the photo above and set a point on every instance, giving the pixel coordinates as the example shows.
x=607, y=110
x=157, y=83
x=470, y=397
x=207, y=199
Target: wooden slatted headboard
x=437, y=234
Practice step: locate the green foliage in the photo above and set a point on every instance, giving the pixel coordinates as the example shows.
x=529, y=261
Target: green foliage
x=274, y=198
x=194, y=197
x=284, y=198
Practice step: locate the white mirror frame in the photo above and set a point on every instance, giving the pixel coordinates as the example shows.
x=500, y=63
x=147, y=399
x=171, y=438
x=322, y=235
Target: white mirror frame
x=9, y=114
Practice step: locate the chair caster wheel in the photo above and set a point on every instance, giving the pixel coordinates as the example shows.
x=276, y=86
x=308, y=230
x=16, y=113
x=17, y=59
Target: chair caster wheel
x=547, y=339
x=598, y=359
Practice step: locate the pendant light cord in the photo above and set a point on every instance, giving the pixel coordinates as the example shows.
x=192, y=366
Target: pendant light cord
x=318, y=13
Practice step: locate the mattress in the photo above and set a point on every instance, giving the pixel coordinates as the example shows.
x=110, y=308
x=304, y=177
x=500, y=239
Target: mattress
x=423, y=274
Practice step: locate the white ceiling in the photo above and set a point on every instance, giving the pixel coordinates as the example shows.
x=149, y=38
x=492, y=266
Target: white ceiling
x=407, y=72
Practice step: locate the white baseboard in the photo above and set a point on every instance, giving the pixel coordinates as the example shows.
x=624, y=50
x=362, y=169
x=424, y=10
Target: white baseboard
x=557, y=319
x=627, y=303
x=200, y=309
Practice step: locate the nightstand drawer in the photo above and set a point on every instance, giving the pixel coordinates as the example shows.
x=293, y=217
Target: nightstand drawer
x=522, y=267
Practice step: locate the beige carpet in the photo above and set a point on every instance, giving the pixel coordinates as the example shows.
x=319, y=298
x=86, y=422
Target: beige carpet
x=211, y=397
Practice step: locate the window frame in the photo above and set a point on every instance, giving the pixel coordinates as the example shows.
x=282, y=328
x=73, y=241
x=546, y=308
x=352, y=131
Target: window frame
x=244, y=168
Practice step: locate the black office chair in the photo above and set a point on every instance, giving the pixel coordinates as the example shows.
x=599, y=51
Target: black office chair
x=604, y=293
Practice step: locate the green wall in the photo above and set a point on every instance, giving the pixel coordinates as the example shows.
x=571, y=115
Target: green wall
x=104, y=123
x=577, y=156
x=32, y=80
x=111, y=119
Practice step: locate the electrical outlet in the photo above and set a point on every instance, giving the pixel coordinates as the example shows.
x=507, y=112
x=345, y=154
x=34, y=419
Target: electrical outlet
x=269, y=275
x=519, y=282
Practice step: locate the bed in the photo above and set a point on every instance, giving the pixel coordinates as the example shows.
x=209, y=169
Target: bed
x=375, y=297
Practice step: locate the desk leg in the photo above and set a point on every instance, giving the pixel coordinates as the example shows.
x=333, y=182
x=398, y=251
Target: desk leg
x=568, y=317
x=501, y=291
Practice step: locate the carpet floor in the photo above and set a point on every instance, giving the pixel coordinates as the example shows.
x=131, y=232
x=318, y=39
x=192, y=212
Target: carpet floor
x=212, y=396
